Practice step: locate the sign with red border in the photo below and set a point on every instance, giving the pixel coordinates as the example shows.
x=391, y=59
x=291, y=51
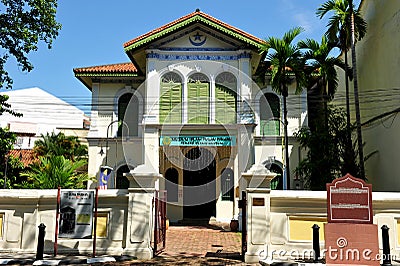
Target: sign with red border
x=349, y=200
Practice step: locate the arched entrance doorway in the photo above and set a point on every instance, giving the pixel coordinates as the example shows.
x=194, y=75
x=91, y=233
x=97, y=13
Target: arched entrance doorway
x=121, y=181
x=277, y=182
x=199, y=189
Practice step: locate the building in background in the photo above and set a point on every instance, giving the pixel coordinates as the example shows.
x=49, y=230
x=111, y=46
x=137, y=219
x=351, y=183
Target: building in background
x=378, y=66
x=42, y=113
x=186, y=105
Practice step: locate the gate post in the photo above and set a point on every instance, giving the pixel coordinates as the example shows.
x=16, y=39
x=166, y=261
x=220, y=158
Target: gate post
x=258, y=212
x=140, y=211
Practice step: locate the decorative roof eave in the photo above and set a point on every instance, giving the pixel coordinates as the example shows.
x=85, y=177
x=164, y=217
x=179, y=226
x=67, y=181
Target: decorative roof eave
x=111, y=69
x=198, y=17
x=119, y=70
x=98, y=74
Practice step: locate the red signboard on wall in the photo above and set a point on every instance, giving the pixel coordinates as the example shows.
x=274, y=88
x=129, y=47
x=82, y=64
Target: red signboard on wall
x=349, y=200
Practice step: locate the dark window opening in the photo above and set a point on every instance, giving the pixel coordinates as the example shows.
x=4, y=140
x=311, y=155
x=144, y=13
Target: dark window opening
x=171, y=184
x=122, y=181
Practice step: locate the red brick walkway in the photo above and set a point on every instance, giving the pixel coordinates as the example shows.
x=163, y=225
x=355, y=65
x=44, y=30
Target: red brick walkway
x=197, y=245
x=200, y=241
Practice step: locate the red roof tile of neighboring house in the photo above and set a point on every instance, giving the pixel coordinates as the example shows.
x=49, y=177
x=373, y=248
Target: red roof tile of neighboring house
x=27, y=156
x=121, y=68
x=191, y=15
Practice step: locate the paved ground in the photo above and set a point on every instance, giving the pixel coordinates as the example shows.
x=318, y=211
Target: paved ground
x=197, y=245
x=211, y=244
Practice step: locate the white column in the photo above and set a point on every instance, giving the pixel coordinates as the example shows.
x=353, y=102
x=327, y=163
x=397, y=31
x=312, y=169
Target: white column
x=140, y=212
x=258, y=223
x=212, y=100
x=151, y=147
x=185, y=100
x=258, y=212
x=94, y=131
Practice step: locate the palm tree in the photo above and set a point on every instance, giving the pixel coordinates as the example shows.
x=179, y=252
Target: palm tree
x=345, y=27
x=322, y=68
x=323, y=75
x=51, y=172
x=59, y=144
x=286, y=62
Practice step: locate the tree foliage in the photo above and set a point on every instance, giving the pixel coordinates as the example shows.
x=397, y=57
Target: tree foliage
x=58, y=144
x=346, y=26
x=7, y=139
x=53, y=171
x=339, y=25
x=24, y=24
x=6, y=144
x=60, y=160
x=328, y=154
x=322, y=64
x=286, y=61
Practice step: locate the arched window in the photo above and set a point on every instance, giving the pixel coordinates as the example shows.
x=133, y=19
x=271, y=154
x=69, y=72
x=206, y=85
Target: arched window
x=226, y=98
x=122, y=181
x=170, y=99
x=128, y=111
x=171, y=184
x=227, y=184
x=270, y=115
x=198, y=99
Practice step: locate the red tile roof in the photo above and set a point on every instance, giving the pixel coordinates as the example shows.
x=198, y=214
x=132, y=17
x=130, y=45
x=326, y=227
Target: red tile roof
x=196, y=13
x=27, y=156
x=121, y=68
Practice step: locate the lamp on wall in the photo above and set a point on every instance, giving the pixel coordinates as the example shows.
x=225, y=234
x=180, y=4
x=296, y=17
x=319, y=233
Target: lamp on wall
x=101, y=149
x=108, y=127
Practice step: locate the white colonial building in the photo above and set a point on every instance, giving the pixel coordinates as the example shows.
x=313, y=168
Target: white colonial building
x=187, y=106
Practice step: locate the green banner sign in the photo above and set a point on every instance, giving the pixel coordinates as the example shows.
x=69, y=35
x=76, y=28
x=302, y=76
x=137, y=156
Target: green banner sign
x=197, y=141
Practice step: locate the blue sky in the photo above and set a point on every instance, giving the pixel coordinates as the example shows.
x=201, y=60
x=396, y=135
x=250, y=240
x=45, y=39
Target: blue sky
x=93, y=33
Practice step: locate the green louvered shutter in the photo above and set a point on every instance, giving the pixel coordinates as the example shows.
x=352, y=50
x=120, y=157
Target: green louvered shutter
x=225, y=106
x=198, y=103
x=270, y=115
x=170, y=103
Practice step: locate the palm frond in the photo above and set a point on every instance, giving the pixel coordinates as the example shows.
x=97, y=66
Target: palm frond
x=325, y=8
x=289, y=36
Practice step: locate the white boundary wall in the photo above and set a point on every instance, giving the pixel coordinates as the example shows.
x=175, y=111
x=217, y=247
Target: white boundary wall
x=23, y=210
x=308, y=205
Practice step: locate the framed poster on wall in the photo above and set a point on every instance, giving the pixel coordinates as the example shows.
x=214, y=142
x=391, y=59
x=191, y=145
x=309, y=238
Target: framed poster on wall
x=76, y=214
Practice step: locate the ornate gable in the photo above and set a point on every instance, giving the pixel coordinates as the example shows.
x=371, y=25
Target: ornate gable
x=197, y=39
x=196, y=31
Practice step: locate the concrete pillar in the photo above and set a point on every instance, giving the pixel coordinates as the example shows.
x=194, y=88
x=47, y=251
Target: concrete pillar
x=140, y=212
x=258, y=211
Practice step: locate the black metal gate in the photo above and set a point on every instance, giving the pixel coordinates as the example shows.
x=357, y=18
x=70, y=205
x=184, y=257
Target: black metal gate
x=243, y=206
x=160, y=221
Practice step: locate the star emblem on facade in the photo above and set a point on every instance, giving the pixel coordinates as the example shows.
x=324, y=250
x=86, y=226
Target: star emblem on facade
x=197, y=39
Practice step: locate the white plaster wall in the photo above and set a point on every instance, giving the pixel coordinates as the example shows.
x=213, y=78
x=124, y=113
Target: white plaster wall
x=119, y=151
x=313, y=204
x=24, y=210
